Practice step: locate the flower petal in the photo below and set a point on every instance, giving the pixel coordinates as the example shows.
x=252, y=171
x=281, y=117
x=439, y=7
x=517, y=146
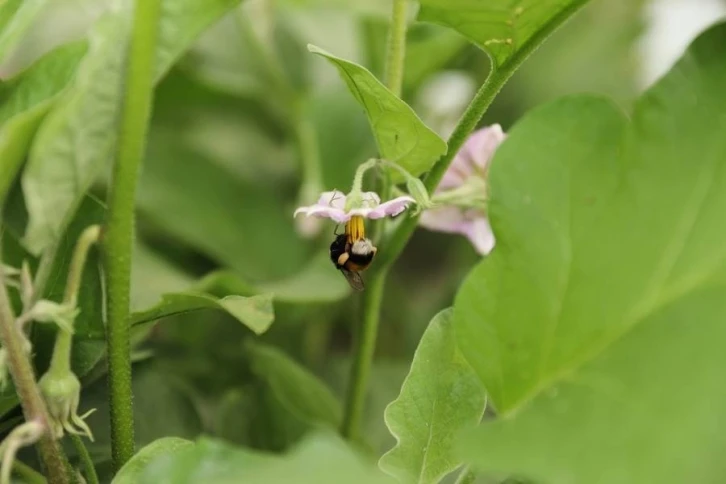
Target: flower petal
x=471, y=224
x=371, y=199
x=482, y=144
x=473, y=157
x=334, y=199
x=321, y=211
x=391, y=208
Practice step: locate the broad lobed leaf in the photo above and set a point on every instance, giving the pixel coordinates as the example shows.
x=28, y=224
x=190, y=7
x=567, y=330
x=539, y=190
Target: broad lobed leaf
x=505, y=29
x=440, y=397
x=320, y=459
x=70, y=151
x=255, y=312
x=596, y=324
x=298, y=390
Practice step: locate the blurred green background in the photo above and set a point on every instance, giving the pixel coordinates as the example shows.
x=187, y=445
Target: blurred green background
x=231, y=155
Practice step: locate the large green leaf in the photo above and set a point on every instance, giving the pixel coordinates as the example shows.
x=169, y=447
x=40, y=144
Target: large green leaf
x=301, y=392
x=15, y=17
x=75, y=141
x=400, y=134
x=320, y=459
x=25, y=100
x=440, y=397
x=255, y=312
x=185, y=193
x=131, y=471
x=506, y=30
x=596, y=324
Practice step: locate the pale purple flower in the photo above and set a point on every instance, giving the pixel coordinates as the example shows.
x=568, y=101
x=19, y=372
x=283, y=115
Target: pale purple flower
x=332, y=205
x=472, y=160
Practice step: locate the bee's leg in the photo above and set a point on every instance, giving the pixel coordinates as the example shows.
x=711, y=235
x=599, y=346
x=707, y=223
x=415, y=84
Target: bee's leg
x=374, y=250
x=343, y=258
x=335, y=230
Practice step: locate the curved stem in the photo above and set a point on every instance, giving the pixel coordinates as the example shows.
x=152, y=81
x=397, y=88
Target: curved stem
x=396, y=53
x=373, y=296
x=90, y=471
x=365, y=346
x=31, y=400
x=118, y=239
x=481, y=102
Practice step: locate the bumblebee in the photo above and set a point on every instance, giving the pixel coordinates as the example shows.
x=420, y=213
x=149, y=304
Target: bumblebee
x=352, y=253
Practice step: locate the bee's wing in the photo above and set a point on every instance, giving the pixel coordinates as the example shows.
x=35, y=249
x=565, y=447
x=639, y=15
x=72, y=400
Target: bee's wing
x=354, y=279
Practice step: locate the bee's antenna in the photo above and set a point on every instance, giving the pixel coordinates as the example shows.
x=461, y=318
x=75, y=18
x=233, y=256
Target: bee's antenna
x=335, y=230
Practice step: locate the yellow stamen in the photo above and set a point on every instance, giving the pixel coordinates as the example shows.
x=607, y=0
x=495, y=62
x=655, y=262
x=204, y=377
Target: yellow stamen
x=354, y=229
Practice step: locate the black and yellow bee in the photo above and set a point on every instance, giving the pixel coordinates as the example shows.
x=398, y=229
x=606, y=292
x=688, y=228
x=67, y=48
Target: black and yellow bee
x=352, y=253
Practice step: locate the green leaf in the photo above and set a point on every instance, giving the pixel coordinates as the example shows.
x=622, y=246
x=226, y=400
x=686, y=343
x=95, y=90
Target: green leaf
x=15, y=18
x=187, y=194
x=70, y=151
x=596, y=324
x=164, y=408
x=320, y=459
x=508, y=31
x=401, y=136
x=255, y=312
x=166, y=446
x=25, y=101
x=318, y=282
x=441, y=396
x=301, y=392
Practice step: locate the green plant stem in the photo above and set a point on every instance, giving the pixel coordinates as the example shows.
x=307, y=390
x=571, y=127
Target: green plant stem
x=29, y=475
x=118, y=238
x=478, y=106
x=61, y=359
x=90, y=471
x=365, y=346
x=396, y=52
x=21, y=371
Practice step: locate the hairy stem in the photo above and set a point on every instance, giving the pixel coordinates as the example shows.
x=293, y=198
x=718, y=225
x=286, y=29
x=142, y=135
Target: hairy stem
x=34, y=408
x=478, y=106
x=365, y=346
x=396, y=52
x=89, y=470
x=118, y=239
x=366, y=342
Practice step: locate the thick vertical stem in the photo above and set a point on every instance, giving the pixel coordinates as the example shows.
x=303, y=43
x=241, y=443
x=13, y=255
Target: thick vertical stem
x=365, y=346
x=21, y=371
x=118, y=238
x=396, y=52
x=366, y=342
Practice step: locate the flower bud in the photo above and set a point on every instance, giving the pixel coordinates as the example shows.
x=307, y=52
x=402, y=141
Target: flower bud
x=418, y=191
x=62, y=391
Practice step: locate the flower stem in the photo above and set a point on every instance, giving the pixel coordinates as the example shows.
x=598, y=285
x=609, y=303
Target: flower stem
x=396, y=53
x=118, y=239
x=90, y=471
x=61, y=359
x=31, y=400
x=366, y=342
x=365, y=346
